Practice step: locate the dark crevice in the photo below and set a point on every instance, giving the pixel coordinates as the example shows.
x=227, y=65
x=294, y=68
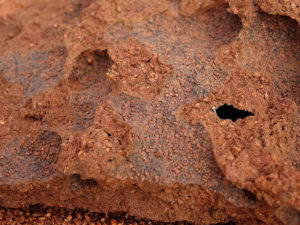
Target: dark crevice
x=33, y=117
x=250, y=195
x=77, y=183
x=108, y=134
x=229, y=112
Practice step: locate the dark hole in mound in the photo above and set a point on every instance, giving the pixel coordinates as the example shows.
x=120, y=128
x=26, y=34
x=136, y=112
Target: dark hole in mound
x=90, y=68
x=108, y=134
x=250, y=195
x=229, y=223
x=229, y=112
x=78, y=182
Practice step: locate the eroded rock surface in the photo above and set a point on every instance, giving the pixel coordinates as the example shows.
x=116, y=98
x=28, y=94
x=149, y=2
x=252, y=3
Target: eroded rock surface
x=170, y=110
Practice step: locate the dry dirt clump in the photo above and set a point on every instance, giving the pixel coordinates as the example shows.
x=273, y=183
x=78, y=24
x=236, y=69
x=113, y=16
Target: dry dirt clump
x=169, y=110
x=289, y=8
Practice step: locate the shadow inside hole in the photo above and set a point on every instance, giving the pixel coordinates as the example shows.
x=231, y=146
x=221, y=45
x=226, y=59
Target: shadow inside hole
x=229, y=112
x=77, y=183
x=108, y=134
x=250, y=195
x=90, y=69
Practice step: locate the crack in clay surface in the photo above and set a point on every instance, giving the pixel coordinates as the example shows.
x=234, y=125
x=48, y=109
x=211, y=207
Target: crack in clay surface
x=30, y=161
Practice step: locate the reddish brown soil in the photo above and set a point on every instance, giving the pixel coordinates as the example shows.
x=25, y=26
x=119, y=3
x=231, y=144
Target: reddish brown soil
x=113, y=106
x=61, y=216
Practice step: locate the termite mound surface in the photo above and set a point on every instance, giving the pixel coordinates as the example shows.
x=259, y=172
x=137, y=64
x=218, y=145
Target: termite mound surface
x=101, y=149
x=35, y=160
x=89, y=85
x=137, y=71
x=256, y=152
